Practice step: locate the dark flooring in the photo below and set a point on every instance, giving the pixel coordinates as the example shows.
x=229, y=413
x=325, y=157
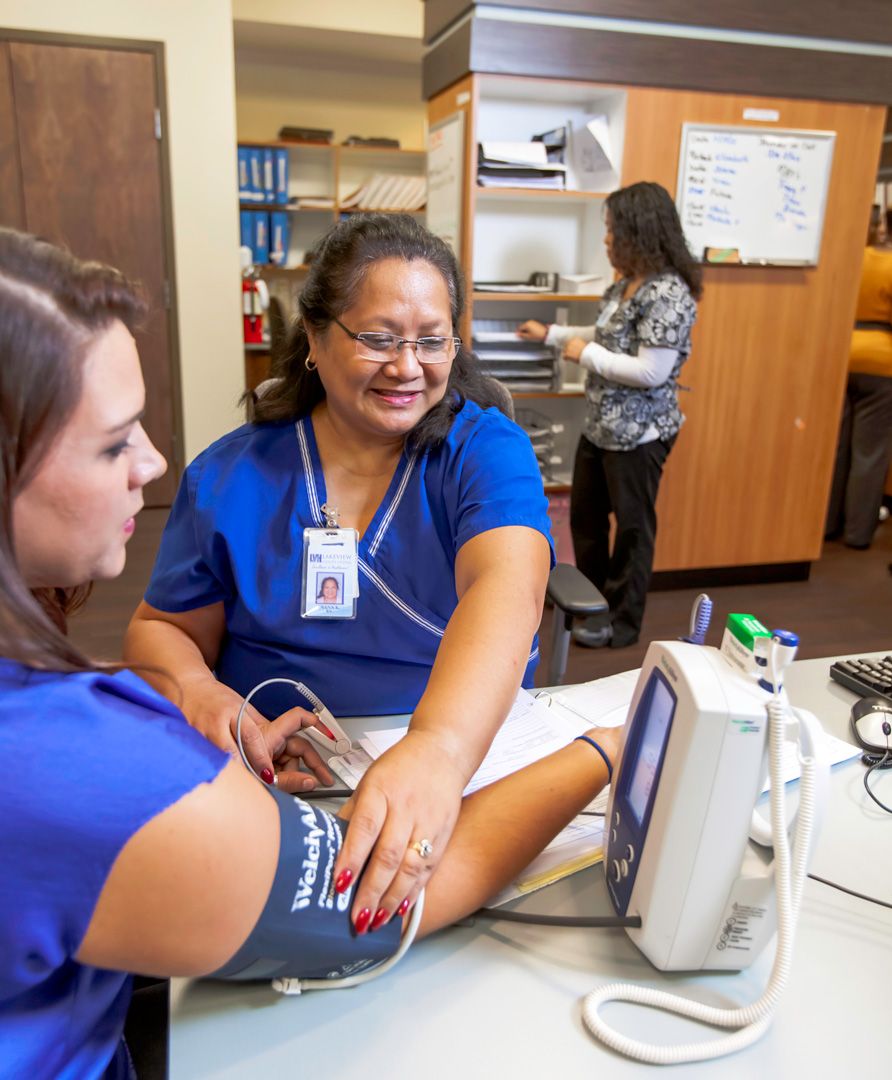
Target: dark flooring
x=844, y=607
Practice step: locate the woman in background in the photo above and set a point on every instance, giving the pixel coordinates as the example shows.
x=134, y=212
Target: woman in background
x=140, y=846
x=865, y=434
x=633, y=356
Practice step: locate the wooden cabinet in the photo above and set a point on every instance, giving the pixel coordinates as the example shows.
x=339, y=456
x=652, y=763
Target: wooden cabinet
x=748, y=480
x=514, y=232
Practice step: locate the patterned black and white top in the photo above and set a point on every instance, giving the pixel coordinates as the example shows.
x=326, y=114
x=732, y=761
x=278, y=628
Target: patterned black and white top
x=660, y=314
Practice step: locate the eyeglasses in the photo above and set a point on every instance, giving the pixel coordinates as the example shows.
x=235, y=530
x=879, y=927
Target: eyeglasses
x=385, y=348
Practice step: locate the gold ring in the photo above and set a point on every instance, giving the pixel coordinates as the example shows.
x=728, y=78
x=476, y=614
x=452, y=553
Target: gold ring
x=424, y=848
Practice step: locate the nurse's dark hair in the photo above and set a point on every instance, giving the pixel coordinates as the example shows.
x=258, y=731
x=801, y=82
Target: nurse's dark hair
x=338, y=268
x=648, y=237
x=52, y=307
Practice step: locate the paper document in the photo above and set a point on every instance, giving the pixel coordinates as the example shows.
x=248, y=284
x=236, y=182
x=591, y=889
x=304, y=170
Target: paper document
x=350, y=767
x=580, y=845
x=530, y=732
x=837, y=749
x=601, y=703
x=524, y=154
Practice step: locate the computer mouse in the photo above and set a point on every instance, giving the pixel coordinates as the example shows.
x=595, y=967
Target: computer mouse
x=872, y=724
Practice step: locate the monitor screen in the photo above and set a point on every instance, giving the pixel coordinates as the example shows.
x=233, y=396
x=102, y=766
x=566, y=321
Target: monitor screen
x=652, y=719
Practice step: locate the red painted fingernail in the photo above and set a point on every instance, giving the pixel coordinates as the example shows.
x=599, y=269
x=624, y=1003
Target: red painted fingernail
x=362, y=920
x=266, y=776
x=380, y=918
x=343, y=882
x=403, y=908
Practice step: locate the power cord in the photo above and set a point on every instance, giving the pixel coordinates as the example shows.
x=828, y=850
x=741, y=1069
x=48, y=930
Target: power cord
x=882, y=763
x=327, y=793
x=596, y=922
x=851, y=892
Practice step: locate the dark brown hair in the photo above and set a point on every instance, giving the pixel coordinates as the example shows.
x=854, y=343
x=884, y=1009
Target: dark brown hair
x=648, y=237
x=52, y=307
x=338, y=270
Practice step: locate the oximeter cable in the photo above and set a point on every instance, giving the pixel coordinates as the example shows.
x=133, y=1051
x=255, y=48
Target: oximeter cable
x=297, y=986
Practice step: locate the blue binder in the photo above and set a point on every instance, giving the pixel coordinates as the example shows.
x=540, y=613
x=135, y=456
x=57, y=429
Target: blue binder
x=246, y=231
x=260, y=246
x=281, y=169
x=244, y=182
x=269, y=179
x=255, y=174
x=280, y=228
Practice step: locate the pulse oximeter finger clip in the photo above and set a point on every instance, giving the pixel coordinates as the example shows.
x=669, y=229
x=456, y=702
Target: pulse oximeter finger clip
x=333, y=738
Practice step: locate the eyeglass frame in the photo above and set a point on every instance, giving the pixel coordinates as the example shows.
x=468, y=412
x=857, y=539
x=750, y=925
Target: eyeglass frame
x=398, y=342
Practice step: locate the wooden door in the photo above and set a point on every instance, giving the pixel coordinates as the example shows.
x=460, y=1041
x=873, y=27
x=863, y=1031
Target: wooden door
x=91, y=178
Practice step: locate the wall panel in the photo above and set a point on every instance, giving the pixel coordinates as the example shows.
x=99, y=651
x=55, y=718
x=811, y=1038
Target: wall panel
x=748, y=480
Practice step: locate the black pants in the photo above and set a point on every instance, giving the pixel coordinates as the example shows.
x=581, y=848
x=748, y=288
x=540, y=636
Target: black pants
x=625, y=483
x=145, y=1029
x=862, y=459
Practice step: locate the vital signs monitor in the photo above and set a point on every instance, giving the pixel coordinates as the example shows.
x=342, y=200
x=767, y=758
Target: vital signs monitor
x=706, y=729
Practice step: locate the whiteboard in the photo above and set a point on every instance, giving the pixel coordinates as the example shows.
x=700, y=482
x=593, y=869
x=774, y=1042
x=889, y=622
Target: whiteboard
x=758, y=190
x=445, y=165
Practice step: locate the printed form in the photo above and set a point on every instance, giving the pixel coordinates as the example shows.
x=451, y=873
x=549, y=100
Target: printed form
x=534, y=728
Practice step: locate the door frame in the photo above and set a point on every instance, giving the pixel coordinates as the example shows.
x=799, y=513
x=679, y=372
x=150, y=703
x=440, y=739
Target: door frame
x=157, y=51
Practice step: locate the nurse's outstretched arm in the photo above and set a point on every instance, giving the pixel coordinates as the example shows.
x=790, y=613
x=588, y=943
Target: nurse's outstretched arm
x=188, y=888
x=413, y=792
x=185, y=646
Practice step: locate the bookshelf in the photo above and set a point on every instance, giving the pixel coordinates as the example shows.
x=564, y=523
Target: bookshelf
x=327, y=174
x=510, y=233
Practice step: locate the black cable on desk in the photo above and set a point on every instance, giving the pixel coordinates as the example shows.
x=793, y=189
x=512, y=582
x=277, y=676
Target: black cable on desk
x=596, y=922
x=884, y=762
x=851, y=892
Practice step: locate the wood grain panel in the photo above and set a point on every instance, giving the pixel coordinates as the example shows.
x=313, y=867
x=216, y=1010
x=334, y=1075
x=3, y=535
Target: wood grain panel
x=12, y=205
x=91, y=173
x=858, y=20
x=462, y=97
x=748, y=480
x=595, y=55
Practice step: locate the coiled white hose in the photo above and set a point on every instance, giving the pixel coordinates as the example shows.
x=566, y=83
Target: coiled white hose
x=752, y=1020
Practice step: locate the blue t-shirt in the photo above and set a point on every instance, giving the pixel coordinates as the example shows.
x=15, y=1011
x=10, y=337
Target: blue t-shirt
x=87, y=760
x=235, y=534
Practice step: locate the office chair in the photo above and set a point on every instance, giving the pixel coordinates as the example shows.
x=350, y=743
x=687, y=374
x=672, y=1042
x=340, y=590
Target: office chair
x=568, y=590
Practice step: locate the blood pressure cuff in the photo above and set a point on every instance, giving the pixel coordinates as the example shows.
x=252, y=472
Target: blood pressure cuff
x=305, y=931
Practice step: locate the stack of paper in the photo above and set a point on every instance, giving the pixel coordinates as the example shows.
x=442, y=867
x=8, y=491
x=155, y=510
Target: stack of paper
x=388, y=191
x=591, y=284
x=518, y=165
x=503, y=355
x=314, y=202
x=534, y=728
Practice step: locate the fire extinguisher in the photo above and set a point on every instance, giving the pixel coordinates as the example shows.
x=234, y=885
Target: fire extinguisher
x=255, y=301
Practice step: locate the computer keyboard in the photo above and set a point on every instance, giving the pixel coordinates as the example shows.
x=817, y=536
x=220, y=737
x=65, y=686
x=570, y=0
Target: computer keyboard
x=865, y=677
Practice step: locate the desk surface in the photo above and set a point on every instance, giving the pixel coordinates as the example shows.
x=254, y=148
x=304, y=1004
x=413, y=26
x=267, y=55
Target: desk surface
x=500, y=999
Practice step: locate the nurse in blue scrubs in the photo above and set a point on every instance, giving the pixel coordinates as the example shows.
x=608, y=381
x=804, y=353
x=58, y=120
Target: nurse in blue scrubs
x=379, y=423
x=128, y=842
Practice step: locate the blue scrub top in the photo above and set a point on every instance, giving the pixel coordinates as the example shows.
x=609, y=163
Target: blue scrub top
x=235, y=534
x=87, y=760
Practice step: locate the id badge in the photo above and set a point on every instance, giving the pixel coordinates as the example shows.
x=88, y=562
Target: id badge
x=330, y=574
